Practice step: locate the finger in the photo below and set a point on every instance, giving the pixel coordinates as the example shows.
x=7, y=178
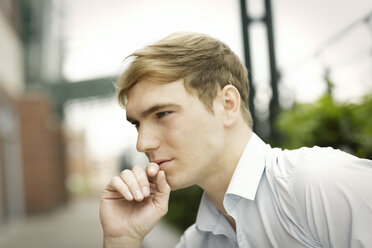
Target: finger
x=131, y=181
x=161, y=195
x=161, y=183
x=118, y=185
x=152, y=188
x=110, y=192
x=142, y=180
x=152, y=170
x=110, y=195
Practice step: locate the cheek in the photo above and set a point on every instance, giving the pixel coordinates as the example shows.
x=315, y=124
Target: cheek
x=197, y=137
x=177, y=136
x=193, y=134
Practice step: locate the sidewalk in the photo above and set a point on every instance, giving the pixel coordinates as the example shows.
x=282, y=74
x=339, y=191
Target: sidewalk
x=76, y=225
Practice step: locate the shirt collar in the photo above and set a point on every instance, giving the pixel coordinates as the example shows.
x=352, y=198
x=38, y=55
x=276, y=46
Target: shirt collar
x=248, y=172
x=210, y=219
x=244, y=183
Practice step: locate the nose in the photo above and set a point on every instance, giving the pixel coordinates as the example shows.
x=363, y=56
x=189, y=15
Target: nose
x=147, y=140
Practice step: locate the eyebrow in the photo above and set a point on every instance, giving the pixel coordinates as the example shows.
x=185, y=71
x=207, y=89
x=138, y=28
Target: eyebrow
x=153, y=109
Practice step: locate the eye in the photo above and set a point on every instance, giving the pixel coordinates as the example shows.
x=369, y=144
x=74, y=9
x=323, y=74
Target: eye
x=163, y=114
x=136, y=124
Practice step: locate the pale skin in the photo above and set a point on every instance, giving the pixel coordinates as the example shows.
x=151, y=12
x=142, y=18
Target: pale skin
x=126, y=215
x=186, y=145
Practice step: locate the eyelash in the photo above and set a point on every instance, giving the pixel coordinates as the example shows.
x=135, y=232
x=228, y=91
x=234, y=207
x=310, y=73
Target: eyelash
x=136, y=124
x=162, y=114
x=159, y=115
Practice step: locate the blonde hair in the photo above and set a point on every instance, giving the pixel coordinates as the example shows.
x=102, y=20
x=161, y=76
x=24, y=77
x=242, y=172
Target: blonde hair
x=205, y=64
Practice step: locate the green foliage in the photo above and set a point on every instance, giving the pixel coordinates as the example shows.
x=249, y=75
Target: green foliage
x=326, y=123
x=183, y=207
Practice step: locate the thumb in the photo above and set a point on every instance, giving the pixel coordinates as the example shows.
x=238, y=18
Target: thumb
x=161, y=196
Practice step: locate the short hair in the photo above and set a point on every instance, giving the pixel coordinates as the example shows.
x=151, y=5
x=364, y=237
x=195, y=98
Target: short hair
x=204, y=63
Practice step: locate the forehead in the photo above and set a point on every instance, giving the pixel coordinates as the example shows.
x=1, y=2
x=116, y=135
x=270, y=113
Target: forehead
x=146, y=94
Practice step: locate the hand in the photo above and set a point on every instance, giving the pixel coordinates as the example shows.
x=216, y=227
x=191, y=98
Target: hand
x=133, y=203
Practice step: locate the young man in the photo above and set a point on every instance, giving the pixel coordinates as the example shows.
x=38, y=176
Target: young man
x=187, y=95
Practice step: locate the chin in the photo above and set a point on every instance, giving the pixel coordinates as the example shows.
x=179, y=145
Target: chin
x=178, y=185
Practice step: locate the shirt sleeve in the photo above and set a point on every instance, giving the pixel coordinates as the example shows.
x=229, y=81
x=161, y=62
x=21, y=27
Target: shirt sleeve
x=334, y=193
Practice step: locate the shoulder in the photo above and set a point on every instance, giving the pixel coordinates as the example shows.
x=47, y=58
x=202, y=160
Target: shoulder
x=302, y=162
x=327, y=177
x=310, y=162
x=319, y=166
x=309, y=173
x=328, y=183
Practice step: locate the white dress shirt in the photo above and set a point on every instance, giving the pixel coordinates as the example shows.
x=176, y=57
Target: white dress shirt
x=310, y=197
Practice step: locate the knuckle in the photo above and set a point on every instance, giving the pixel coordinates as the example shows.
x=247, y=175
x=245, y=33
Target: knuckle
x=115, y=183
x=129, y=179
x=140, y=175
x=137, y=168
x=139, y=172
x=143, y=183
x=164, y=211
x=125, y=173
x=115, y=180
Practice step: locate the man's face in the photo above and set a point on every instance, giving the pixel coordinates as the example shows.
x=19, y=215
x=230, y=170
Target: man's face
x=176, y=131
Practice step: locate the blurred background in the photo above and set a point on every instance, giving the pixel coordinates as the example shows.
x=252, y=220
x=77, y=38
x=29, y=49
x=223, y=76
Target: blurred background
x=63, y=135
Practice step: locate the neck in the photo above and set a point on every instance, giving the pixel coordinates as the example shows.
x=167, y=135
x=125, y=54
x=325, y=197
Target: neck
x=216, y=185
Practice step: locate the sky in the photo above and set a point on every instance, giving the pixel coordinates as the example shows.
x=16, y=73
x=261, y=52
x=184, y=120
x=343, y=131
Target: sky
x=100, y=34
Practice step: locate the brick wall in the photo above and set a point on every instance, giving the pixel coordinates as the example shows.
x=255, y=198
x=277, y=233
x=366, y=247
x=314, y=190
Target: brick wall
x=43, y=155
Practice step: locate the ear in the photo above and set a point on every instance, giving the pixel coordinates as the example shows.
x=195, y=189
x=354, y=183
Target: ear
x=230, y=98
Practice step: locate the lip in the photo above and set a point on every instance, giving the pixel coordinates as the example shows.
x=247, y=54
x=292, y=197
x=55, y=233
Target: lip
x=162, y=162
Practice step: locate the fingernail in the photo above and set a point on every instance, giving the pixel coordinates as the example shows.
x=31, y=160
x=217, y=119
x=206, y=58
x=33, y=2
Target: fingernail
x=146, y=191
x=139, y=194
x=152, y=169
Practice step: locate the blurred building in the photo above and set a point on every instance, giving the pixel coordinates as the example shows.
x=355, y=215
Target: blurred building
x=32, y=163
x=43, y=153
x=12, y=188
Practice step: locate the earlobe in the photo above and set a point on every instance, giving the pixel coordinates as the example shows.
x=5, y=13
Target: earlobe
x=231, y=104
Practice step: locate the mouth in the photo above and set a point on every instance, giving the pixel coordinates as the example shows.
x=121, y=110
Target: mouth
x=163, y=163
